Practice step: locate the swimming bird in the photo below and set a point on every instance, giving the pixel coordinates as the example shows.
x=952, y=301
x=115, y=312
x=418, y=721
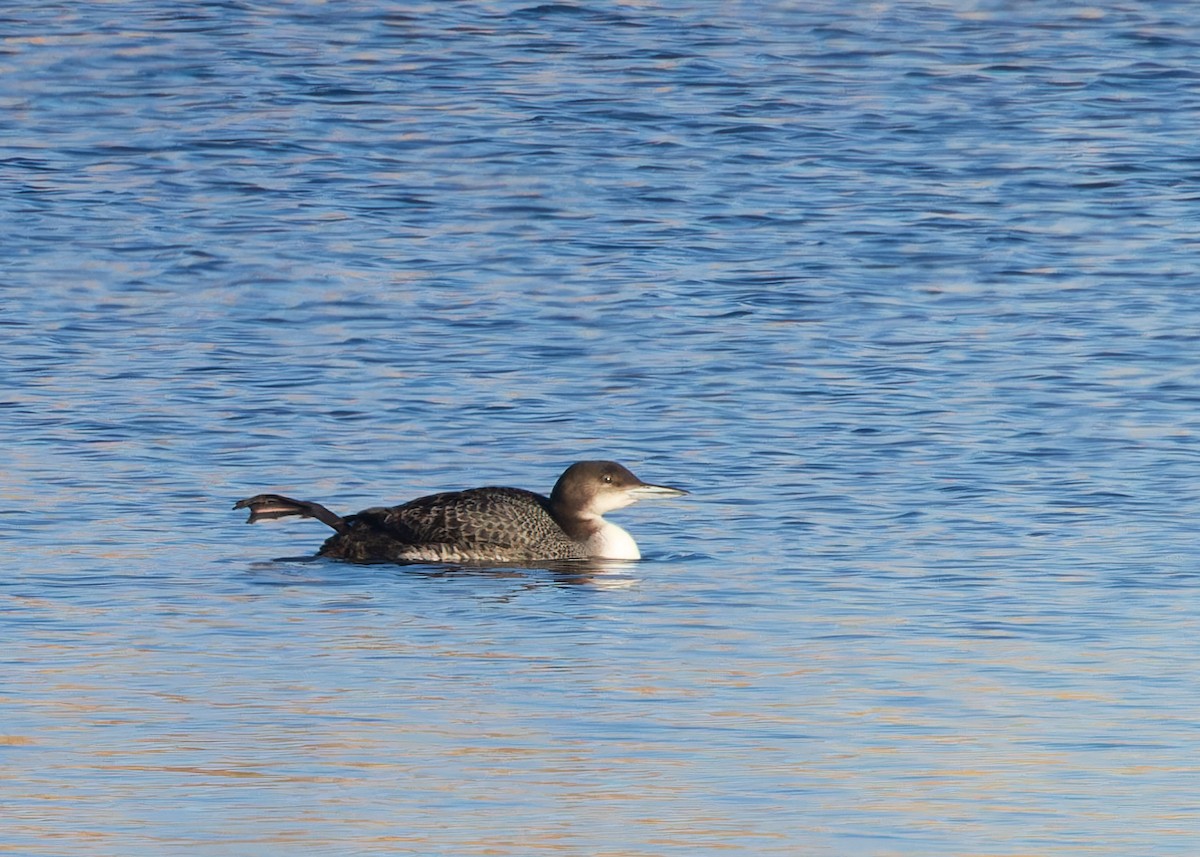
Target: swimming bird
x=485, y=524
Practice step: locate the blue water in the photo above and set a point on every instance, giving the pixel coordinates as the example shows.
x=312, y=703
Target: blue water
x=905, y=294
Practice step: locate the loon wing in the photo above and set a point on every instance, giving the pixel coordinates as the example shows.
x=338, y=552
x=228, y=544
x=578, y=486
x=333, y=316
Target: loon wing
x=499, y=517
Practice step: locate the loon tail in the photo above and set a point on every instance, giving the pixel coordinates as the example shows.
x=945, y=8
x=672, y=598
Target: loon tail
x=265, y=507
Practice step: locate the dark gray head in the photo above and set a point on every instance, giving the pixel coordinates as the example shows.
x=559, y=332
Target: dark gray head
x=589, y=489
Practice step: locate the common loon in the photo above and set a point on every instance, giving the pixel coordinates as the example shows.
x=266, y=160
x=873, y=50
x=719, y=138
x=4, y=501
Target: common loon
x=485, y=524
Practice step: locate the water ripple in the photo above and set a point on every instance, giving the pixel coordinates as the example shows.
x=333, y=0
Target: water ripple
x=902, y=293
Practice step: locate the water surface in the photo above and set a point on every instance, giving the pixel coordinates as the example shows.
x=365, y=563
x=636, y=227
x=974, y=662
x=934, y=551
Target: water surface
x=904, y=293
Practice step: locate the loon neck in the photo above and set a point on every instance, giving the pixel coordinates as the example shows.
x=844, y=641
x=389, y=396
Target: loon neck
x=608, y=541
x=601, y=539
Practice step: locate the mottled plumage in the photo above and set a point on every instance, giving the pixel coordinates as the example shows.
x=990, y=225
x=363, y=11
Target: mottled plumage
x=484, y=524
x=500, y=524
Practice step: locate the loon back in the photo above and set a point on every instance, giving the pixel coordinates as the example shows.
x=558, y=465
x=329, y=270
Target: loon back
x=479, y=524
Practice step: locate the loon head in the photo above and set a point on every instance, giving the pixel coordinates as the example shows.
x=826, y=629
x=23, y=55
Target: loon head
x=587, y=491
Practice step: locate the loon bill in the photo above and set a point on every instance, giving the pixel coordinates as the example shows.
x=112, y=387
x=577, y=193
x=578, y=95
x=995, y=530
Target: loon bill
x=485, y=524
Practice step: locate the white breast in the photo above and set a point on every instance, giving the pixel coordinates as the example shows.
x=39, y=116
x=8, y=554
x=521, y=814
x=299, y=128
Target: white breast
x=611, y=542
